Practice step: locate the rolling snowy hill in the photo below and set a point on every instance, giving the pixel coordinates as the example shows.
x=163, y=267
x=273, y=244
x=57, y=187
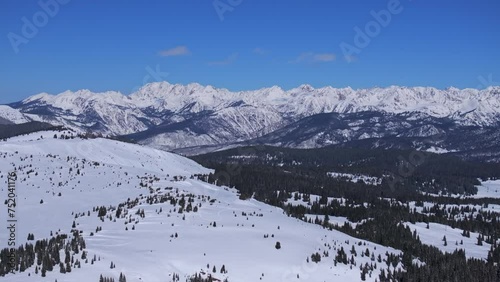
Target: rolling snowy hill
x=9, y=115
x=138, y=209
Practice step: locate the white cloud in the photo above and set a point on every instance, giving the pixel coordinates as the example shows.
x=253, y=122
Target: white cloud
x=350, y=58
x=324, y=57
x=227, y=61
x=260, y=51
x=176, y=51
x=311, y=57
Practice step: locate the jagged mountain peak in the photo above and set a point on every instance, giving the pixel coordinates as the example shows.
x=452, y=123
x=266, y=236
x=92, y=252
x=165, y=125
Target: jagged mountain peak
x=306, y=87
x=41, y=96
x=392, y=99
x=207, y=115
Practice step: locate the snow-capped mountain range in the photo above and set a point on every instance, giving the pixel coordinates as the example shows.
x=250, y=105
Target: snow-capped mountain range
x=174, y=116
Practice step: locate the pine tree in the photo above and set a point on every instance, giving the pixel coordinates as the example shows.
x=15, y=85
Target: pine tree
x=326, y=221
x=316, y=257
x=68, y=268
x=62, y=269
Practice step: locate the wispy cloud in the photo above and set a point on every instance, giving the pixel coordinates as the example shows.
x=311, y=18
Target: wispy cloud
x=324, y=57
x=227, y=61
x=311, y=57
x=350, y=58
x=176, y=51
x=260, y=51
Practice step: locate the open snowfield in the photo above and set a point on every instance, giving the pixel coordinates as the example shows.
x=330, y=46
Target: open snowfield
x=370, y=180
x=61, y=181
x=488, y=189
x=434, y=237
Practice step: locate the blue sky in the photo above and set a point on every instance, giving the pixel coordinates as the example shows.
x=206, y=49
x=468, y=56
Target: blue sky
x=246, y=44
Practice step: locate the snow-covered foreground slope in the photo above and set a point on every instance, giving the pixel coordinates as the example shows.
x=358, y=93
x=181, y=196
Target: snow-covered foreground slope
x=62, y=181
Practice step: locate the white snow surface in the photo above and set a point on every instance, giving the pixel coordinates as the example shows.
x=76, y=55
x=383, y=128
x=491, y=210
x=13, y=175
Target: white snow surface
x=12, y=115
x=434, y=237
x=91, y=173
x=370, y=180
x=488, y=189
x=437, y=150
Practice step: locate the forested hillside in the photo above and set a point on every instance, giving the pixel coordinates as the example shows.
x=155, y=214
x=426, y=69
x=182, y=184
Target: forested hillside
x=382, y=196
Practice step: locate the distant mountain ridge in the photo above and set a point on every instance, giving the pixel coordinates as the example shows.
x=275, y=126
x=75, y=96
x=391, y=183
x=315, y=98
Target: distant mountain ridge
x=9, y=115
x=174, y=116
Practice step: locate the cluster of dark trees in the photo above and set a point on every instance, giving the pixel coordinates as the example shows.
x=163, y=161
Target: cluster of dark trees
x=199, y=278
x=44, y=254
x=401, y=171
x=446, y=267
x=274, y=175
x=12, y=130
x=8, y=130
x=385, y=228
x=106, y=279
x=122, y=278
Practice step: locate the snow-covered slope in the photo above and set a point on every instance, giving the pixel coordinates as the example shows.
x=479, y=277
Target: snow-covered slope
x=173, y=116
x=434, y=235
x=12, y=115
x=488, y=189
x=61, y=182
